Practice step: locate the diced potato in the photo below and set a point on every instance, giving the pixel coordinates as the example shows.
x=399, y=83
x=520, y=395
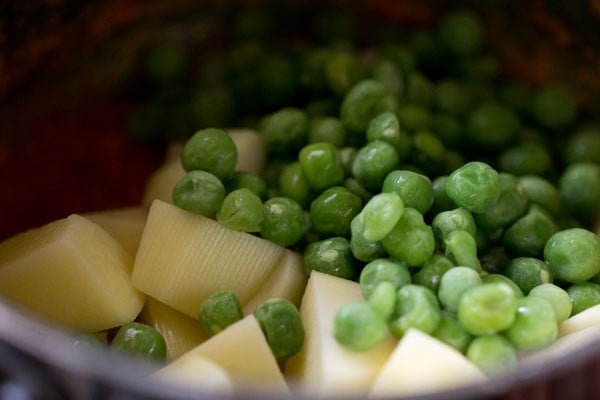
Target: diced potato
x=422, y=364
x=124, y=224
x=161, y=183
x=196, y=372
x=585, y=319
x=181, y=333
x=252, y=153
x=72, y=272
x=287, y=281
x=242, y=350
x=183, y=258
x=323, y=367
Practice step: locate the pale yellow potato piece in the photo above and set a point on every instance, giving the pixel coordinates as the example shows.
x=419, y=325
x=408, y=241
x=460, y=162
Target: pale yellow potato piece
x=287, y=281
x=196, y=372
x=124, y=224
x=252, y=153
x=181, y=333
x=323, y=367
x=161, y=182
x=242, y=350
x=72, y=272
x=422, y=364
x=183, y=258
x=585, y=319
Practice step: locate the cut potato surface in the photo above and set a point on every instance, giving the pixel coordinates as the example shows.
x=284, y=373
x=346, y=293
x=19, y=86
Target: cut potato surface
x=252, y=153
x=585, y=319
x=323, y=367
x=160, y=184
x=72, y=272
x=183, y=258
x=126, y=225
x=181, y=333
x=422, y=364
x=242, y=350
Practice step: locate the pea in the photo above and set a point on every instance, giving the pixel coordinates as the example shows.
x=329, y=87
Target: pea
x=452, y=220
x=386, y=127
x=285, y=130
x=333, y=210
x=528, y=235
x=284, y=222
x=391, y=75
x=492, y=125
x=534, y=325
x=555, y=107
x=242, y=210
x=583, y=146
x=373, y=162
x=165, y=63
x=411, y=240
x=528, y=272
x=218, y=311
x=475, y=186
x=331, y=256
x=417, y=307
x=573, y=255
x=199, y=192
x=430, y=274
x=448, y=128
x=441, y=201
x=526, y=158
x=363, y=249
x=358, y=326
x=420, y=89
x=462, y=32
x=282, y=325
x=293, y=184
x=414, y=117
x=358, y=189
x=321, y=165
x=383, y=298
x=346, y=155
x=491, y=278
x=487, y=308
x=493, y=354
x=495, y=260
x=454, y=283
x=583, y=296
x=327, y=129
x=140, y=340
x=210, y=150
x=451, y=332
x=509, y=206
x=415, y=190
x=453, y=97
x=579, y=189
x=363, y=102
x=557, y=297
x=379, y=216
x=383, y=270
x=247, y=180
x=542, y=192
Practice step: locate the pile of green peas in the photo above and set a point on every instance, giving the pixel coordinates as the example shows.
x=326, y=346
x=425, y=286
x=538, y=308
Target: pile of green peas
x=462, y=203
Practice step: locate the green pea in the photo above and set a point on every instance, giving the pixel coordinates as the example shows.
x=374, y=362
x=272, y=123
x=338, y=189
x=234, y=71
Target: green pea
x=430, y=274
x=526, y=158
x=363, y=102
x=495, y=260
x=383, y=298
x=557, y=297
x=462, y=32
x=321, y=165
x=281, y=323
x=415, y=190
x=358, y=326
x=454, y=283
x=583, y=146
x=333, y=210
x=441, y=201
x=452, y=161
x=284, y=222
x=475, y=186
x=277, y=79
x=358, y=189
x=528, y=235
x=509, y=206
x=383, y=270
x=579, y=189
x=573, y=255
x=247, y=180
x=555, y=107
x=528, y=272
x=429, y=153
x=542, y=192
x=457, y=219
x=373, y=162
x=534, y=325
x=583, y=296
x=386, y=127
x=493, y=354
x=451, y=332
x=140, y=340
x=419, y=89
x=491, y=278
x=346, y=155
x=411, y=240
x=363, y=249
x=379, y=216
x=165, y=63
x=413, y=117
x=210, y=150
x=453, y=97
x=462, y=247
x=218, y=311
x=343, y=71
x=199, y=192
x=293, y=184
x=417, y=307
x=390, y=74
x=327, y=129
x=448, y=128
x=285, y=130
x=242, y=210
x=492, y=125
x=487, y=308
x=331, y=256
